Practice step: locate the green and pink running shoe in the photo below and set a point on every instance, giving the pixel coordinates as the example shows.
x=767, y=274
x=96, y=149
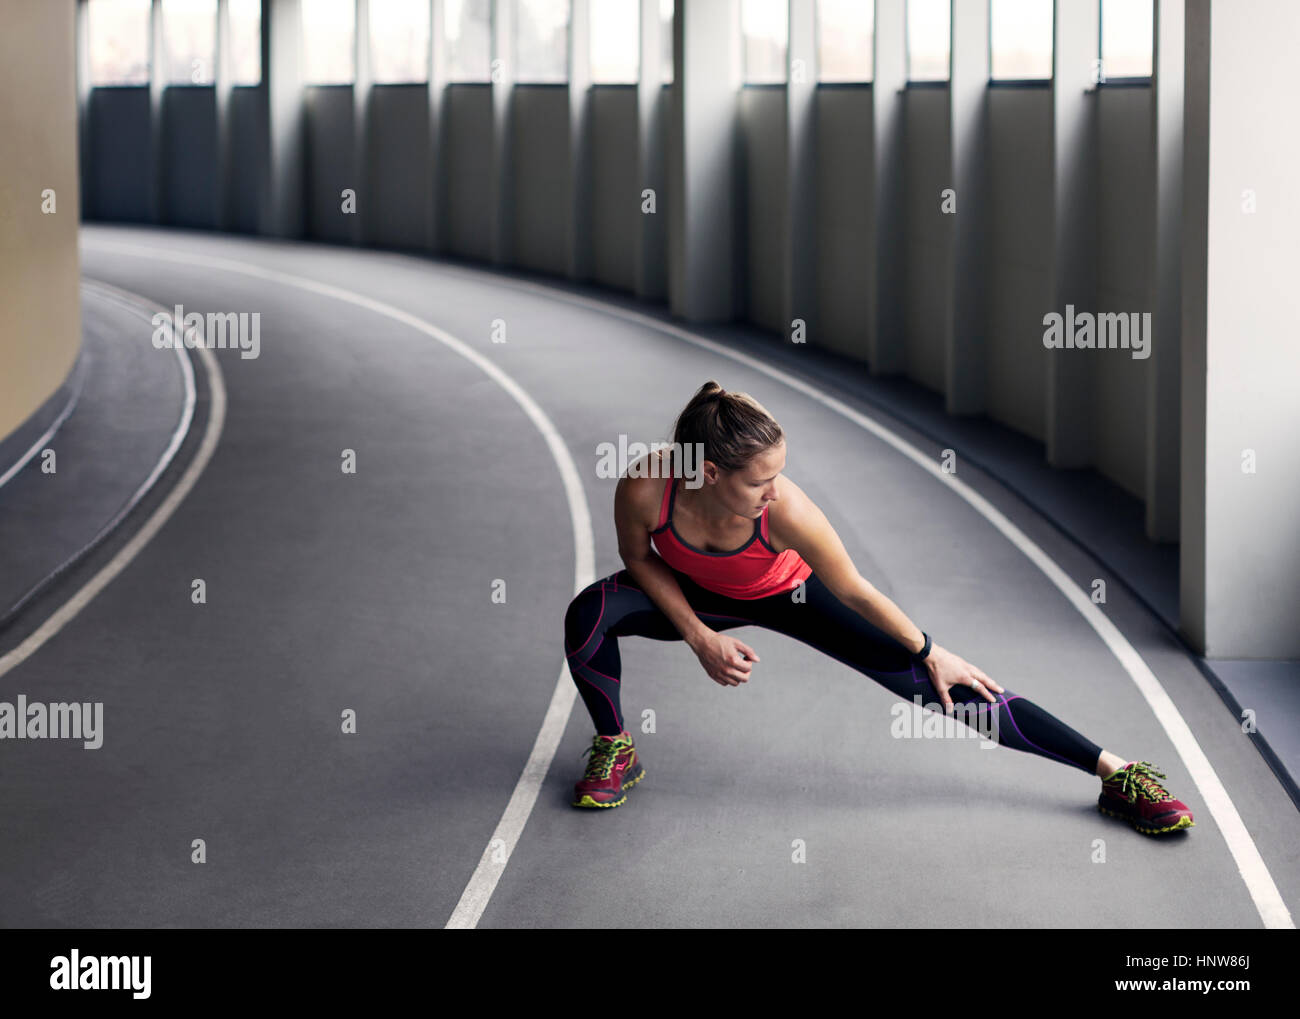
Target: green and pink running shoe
x=1133, y=794
x=612, y=770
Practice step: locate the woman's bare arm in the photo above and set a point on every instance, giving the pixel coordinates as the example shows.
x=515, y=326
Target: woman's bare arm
x=636, y=505
x=798, y=523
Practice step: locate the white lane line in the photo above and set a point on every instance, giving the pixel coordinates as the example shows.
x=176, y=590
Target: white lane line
x=505, y=837
x=1250, y=864
x=69, y=610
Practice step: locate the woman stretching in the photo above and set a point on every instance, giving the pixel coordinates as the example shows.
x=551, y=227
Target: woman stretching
x=748, y=547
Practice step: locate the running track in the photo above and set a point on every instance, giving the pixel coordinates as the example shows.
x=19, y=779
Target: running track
x=373, y=592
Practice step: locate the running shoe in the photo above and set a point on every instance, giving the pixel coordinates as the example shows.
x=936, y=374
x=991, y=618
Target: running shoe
x=1133, y=794
x=612, y=770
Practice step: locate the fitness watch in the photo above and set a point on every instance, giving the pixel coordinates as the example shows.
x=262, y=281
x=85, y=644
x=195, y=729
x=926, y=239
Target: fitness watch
x=919, y=656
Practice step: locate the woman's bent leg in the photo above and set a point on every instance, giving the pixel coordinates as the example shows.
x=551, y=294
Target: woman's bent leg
x=605, y=610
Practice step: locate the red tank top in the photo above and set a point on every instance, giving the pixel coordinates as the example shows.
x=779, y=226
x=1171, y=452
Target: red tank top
x=755, y=570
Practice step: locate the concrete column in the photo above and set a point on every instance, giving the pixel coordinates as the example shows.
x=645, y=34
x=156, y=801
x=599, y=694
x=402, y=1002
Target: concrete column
x=40, y=304
x=886, y=353
x=157, y=83
x=1075, y=49
x=281, y=211
x=436, y=192
x=652, y=231
x=1240, y=549
x=223, y=85
x=361, y=86
x=801, y=170
x=964, y=388
x=1163, y=379
x=579, y=239
x=503, y=176
x=703, y=274
x=83, y=108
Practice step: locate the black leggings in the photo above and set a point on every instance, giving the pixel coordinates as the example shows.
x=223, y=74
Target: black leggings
x=616, y=607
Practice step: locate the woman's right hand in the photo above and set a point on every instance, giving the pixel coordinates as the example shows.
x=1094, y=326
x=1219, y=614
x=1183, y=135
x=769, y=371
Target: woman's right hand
x=726, y=659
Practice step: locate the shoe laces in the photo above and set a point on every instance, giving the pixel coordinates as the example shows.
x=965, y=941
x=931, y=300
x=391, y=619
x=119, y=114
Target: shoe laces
x=603, y=753
x=1139, y=779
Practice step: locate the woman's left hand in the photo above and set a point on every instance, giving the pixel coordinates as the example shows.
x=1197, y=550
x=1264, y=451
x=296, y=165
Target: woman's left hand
x=948, y=670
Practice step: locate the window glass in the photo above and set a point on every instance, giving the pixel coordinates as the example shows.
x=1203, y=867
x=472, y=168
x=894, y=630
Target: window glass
x=929, y=40
x=764, y=31
x=1021, y=39
x=329, y=29
x=399, y=40
x=542, y=40
x=118, y=32
x=845, y=39
x=615, y=41
x=1126, y=38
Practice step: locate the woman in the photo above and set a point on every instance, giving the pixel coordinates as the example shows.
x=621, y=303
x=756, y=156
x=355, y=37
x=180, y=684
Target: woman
x=748, y=547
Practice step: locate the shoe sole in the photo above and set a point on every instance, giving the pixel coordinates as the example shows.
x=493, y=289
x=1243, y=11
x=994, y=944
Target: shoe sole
x=1182, y=824
x=587, y=801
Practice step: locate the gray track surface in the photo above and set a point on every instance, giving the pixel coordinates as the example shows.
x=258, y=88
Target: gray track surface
x=127, y=411
x=373, y=592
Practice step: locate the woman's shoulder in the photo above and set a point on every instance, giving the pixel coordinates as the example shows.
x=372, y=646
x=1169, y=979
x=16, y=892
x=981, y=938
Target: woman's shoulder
x=790, y=514
x=643, y=485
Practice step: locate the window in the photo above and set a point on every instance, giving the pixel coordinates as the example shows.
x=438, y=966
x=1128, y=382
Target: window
x=329, y=29
x=1126, y=38
x=929, y=40
x=399, y=41
x=119, y=42
x=666, y=37
x=765, y=33
x=542, y=40
x=845, y=39
x=246, y=42
x=189, y=41
x=1020, y=39
x=615, y=41
x=468, y=26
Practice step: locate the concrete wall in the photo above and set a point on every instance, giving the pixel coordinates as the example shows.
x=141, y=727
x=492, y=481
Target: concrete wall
x=927, y=151
x=541, y=177
x=616, y=193
x=1126, y=234
x=189, y=139
x=468, y=111
x=120, y=154
x=400, y=187
x=763, y=221
x=1020, y=253
x=331, y=166
x=248, y=144
x=40, y=304
x=845, y=151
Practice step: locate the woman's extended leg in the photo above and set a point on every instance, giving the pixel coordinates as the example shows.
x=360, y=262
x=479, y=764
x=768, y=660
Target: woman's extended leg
x=824, y=622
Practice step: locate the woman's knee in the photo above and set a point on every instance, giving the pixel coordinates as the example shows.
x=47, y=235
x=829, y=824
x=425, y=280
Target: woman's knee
x=583, y=616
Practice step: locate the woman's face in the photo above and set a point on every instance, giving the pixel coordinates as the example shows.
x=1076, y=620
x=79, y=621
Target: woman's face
x=745, y=492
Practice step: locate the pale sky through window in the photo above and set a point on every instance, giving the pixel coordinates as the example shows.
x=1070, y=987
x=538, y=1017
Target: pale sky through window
x=1021, y=38
x=928, y=40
